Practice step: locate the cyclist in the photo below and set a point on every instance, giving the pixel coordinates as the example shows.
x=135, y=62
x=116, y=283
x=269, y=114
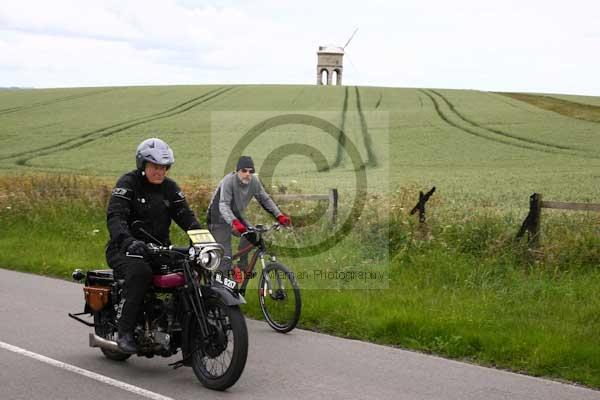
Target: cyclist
x=225, y=214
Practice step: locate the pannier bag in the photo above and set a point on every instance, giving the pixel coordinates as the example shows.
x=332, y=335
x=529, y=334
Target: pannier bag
x=96, y=297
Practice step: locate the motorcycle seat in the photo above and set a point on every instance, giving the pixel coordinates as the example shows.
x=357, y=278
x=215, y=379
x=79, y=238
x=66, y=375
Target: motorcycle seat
x=100, y=277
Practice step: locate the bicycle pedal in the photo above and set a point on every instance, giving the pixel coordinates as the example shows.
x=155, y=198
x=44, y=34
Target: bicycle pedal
x=245, y=274
x=237, y=274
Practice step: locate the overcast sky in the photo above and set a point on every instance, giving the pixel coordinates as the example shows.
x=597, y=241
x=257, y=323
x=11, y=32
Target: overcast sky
x=528, y=45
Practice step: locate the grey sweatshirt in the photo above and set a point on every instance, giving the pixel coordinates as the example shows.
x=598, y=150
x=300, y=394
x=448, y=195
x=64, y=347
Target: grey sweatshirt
x=231, y=198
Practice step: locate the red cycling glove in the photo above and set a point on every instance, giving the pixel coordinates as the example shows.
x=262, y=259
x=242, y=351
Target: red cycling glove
x=284, y=220
x=238, y=227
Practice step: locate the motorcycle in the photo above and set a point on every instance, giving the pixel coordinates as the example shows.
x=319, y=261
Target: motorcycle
x=187, y=307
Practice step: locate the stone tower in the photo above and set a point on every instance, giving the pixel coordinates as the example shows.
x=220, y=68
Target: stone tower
x=330, y=64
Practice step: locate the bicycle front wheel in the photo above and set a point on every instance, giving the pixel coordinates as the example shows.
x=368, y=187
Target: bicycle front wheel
x=279, y=297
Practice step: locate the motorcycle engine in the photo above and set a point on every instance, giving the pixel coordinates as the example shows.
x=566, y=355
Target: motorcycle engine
x=155, y=336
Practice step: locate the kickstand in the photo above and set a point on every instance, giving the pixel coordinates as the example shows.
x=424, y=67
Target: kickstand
x=178, y=364
x=184, y=362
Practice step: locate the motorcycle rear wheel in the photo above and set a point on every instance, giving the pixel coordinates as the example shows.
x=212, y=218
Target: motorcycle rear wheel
x=106, y=331
x=219, y=364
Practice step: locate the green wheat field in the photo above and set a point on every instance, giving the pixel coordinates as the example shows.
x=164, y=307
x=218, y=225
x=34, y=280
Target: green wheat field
x=485, y=148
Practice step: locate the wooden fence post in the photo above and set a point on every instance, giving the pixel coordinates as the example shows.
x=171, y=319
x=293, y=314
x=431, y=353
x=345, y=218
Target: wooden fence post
x=532, y=222
x=420, y=207
x=535, y=211
x=534, y=219
x=333, y=205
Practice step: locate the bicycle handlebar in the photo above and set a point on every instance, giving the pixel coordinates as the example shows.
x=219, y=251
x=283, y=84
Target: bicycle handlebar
x=264, y=229
x=259, y=231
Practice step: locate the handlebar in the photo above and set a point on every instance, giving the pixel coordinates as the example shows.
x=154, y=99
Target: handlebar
x=154, y=249
x=255, y=233
x=263, y=229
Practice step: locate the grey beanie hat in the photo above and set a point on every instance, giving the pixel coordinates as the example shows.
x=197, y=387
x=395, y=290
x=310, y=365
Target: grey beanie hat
x=245, y=162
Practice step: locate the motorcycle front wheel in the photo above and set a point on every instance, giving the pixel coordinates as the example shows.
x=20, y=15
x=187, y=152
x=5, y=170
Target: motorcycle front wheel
x=219, y=360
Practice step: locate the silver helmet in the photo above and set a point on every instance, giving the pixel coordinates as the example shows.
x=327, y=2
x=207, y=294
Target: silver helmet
x=154, y=150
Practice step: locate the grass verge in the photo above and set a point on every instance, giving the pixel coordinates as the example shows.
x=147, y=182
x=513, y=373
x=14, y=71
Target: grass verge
x=462, y=289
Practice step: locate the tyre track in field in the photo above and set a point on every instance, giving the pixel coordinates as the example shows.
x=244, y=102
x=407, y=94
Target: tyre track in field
x=367, y=140
x=165, y=114
x=342, y=137
x=101, y=133
x=420, y=102
x=297, y=96
x=5, y=111
x=495, y=134
x=499, y=132
x=379, y=100
x=100, y=130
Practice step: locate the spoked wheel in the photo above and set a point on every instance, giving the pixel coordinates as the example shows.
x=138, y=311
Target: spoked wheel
x=279, y=297
x=104, y=328
x=219, y=361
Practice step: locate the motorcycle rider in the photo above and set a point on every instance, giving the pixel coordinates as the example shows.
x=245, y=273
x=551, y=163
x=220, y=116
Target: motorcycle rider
x=147, y=195
x=225, y=214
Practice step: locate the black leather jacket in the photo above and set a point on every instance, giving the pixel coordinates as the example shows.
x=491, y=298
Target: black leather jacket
x=134, y=198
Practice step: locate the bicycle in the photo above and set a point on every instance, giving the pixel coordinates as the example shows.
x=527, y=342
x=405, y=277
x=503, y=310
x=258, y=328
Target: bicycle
x=278, y=290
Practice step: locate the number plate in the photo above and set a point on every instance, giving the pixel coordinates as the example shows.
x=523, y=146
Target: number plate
x=225, y=281
x=201, y=236
x=229, y=283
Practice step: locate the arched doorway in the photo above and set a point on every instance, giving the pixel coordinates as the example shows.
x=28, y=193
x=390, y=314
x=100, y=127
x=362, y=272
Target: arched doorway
x=324, y=76
x=337, y=77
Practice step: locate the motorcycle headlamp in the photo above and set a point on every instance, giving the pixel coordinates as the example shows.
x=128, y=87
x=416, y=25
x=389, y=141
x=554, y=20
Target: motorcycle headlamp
x=210, y=257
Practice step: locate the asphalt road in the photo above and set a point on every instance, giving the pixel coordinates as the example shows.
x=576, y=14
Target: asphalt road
x=45, y=355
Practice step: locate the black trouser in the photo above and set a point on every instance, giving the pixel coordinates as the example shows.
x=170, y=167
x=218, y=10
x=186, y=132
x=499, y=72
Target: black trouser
x=222, y=234
x=138, y=276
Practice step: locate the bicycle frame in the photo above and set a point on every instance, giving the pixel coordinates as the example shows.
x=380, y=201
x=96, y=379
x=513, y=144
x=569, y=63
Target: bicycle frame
x=276, y=283
x=260, y=250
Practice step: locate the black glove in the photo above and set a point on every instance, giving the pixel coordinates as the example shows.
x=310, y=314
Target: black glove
x=137, y=248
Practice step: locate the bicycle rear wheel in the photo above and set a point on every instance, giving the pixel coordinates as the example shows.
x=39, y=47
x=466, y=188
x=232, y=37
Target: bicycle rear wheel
x=279, y=297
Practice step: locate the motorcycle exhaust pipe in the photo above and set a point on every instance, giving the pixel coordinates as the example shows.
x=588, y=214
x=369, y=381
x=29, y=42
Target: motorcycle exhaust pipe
x=97, y=341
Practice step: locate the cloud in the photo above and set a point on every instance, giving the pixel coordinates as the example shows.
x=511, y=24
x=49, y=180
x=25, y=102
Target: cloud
x=508, y=45
x=64, y=36
x=66, y=18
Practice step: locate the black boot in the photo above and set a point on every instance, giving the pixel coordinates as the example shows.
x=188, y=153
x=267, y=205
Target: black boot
x=126, y=343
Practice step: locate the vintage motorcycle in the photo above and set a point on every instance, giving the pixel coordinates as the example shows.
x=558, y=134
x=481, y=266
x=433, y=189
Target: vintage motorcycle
x=185, y=308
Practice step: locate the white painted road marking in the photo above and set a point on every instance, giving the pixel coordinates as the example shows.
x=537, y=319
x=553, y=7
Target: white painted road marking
x=101, y=378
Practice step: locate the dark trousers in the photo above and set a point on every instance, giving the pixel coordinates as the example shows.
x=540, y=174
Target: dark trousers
x=138, y=276
x=222, y=234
